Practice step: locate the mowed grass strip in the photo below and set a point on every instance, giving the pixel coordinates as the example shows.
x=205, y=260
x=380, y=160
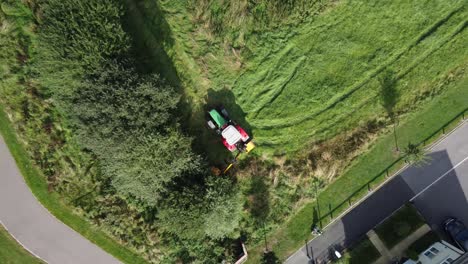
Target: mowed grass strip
x=340, y=74
x=413, y=128
x=13, y=253
x=51, y=200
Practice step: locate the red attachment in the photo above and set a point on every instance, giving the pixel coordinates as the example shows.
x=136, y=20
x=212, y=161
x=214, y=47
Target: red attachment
x=229, y=147
x=244, y=134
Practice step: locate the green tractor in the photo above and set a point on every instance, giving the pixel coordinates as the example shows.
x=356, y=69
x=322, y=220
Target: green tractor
x=233, y=135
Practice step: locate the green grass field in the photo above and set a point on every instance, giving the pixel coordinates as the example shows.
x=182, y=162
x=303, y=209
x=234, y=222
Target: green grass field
x=293, y=84
x=416, y=127
x=310, y=81
x=13, y=253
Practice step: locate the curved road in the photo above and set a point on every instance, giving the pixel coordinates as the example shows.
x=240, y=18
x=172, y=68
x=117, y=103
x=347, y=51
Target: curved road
x=34, y=227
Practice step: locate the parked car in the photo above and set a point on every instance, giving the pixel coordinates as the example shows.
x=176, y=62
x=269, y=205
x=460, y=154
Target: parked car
x=457, y=231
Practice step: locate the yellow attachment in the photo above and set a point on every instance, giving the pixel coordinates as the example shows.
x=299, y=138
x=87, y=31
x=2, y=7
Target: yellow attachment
x=249, y=146
x=228, y=167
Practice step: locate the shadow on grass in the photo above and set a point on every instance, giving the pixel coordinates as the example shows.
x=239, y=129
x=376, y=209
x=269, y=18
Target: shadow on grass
x=316, y=223
x=258, y=201
x=145, y=23
x=207, y=141
x=270, y=258
x=226, y=98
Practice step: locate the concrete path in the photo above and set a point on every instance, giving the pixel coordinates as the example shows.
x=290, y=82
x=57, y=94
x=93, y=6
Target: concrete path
x=379, y=245
x=34, y=227
x=436, y=189
x=400, y=248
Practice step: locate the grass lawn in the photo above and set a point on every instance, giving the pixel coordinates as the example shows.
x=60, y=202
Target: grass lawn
x=363, y=253
x=13, y=253
x=313, y=79
x=310, y=80
x=414, y=128
x=38, y=185
x=422, y=244
x=399, y=226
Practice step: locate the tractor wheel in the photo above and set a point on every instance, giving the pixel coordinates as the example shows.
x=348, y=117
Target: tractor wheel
x=211, y=124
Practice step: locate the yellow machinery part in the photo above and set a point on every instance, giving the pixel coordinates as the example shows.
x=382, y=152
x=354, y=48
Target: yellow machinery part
x=249, y=146
x=228, y=167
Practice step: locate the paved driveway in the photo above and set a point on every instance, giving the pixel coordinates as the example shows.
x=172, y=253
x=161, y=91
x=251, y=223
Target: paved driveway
x=437, y=190
x=34, y=227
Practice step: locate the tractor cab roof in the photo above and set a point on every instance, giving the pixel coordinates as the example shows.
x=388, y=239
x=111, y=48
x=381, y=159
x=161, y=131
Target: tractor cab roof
x=217, y=118
x=231, y=134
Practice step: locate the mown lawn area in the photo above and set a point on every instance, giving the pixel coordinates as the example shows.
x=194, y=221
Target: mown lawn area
x=414, y=128
x=13, y=253
x=311, y=79
x=399, y=226
x=307, y=81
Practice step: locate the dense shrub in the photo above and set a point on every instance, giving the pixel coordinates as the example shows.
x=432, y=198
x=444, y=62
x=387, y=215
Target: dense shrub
x=107, y=136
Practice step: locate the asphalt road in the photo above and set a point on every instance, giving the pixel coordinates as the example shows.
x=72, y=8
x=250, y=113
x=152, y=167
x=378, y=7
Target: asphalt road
x=34, y=227
x=437, y=189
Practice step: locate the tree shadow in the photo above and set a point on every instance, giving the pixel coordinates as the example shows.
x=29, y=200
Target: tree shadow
x=226, y=98
x=208, y=142
x=144, y=21
x=389, y=95
x=315, y=220
x=258, y=199
x=270, y=258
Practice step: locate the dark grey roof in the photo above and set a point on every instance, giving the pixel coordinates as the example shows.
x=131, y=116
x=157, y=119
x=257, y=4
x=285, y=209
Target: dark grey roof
x=463, y=259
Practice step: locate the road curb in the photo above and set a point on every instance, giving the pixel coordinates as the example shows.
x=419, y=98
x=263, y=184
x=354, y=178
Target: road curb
x=22, y=245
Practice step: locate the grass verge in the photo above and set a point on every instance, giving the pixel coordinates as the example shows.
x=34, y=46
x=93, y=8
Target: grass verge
x=50, y=200
x=413, y=128
x=399, y=226
x=13, y=253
